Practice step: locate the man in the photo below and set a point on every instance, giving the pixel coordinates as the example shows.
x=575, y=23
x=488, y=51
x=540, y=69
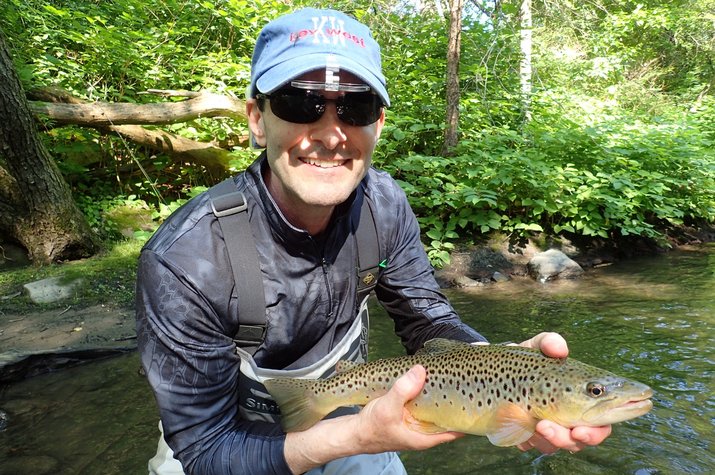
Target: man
x=316, y=104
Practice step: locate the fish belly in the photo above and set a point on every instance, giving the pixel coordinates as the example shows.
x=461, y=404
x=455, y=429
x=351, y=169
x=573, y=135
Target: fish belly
x=449, y=414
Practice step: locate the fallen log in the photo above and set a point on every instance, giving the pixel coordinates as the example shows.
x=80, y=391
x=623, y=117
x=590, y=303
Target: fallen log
x=106, y=114
x=214, y=159
x=126, y=120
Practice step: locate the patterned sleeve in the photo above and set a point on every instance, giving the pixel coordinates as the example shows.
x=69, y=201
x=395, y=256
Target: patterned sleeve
x=407, y=288
x=192, y=367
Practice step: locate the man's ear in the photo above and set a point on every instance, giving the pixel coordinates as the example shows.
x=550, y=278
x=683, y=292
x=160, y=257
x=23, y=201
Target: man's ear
x=255, y=123
x=380, y=123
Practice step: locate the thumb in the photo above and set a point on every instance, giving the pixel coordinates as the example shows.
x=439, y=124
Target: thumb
x=409, y=385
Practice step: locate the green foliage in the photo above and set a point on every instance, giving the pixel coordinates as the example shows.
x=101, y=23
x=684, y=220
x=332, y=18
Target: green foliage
x=620, y=142
x=613, y=179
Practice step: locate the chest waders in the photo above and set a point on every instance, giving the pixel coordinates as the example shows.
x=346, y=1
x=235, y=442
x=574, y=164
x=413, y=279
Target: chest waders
x=231, y=209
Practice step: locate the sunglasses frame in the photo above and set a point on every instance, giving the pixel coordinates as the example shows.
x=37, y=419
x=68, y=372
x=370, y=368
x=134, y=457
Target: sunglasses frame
x=313, y=112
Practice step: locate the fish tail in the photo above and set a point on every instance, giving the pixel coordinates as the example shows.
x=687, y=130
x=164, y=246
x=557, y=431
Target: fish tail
x=300, y=409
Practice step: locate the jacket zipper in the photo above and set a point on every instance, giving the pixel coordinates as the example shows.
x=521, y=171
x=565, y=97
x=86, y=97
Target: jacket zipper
x=324, y=264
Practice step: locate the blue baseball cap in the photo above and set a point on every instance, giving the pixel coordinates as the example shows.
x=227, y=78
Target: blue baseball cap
x=312, y=39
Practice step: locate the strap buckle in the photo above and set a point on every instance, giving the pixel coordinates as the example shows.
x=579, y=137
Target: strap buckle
x=228, y=204
x=250, y=335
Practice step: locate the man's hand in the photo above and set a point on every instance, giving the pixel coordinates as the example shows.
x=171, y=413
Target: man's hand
x=549, y=436
x=379, y=427
x=383, y=421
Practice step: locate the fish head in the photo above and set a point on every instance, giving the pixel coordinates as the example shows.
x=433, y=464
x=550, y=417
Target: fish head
x=598, y=400
x=615, y=400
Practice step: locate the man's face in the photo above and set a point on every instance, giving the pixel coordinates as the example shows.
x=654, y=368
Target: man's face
x=315, y=166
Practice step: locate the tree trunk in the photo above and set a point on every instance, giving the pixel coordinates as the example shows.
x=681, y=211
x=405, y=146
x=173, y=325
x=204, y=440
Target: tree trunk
x=451, y=133
x=525, y=44
x=41, y=213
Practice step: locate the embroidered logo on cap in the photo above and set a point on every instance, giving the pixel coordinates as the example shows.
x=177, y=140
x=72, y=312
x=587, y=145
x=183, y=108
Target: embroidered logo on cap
x=334, y=33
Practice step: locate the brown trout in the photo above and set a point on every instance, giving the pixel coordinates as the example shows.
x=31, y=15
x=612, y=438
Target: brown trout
x=494, y=390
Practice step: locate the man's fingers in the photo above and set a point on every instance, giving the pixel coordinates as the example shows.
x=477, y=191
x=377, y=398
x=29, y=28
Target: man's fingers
x=591, y=435
x=551, y=344
x=409, y=385
x=550, y=437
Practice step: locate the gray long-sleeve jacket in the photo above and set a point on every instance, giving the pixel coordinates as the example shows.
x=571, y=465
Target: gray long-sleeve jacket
x=187, y=312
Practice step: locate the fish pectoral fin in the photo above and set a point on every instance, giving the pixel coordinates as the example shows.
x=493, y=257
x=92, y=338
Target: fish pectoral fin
x=422, y=426
x=513, y=425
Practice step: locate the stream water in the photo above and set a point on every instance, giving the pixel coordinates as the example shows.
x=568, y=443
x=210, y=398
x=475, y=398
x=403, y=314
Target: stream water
x=649, y=319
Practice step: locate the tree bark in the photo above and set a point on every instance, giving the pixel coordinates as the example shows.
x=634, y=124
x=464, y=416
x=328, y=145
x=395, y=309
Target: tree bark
x=43, y=216
x=451, y=133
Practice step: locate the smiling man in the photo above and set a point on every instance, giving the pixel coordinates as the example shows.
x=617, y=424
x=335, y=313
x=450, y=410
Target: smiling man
x=315, y=166
x=325, y=229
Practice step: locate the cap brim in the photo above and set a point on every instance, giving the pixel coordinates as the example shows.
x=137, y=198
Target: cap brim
x=288, y=70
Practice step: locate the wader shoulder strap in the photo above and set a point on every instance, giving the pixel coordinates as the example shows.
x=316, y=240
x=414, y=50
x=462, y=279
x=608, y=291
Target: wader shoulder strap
x=368, y=249
x=231, y=209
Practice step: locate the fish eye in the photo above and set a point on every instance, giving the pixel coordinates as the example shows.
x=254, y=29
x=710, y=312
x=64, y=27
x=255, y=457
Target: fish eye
x=595, y=389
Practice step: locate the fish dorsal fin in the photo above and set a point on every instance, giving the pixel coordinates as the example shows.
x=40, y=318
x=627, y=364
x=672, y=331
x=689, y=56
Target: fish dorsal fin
x=343, y=366
x=440, y=345
x=512, y=426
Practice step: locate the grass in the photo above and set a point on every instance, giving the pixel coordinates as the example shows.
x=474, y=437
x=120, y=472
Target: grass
x=107, y=278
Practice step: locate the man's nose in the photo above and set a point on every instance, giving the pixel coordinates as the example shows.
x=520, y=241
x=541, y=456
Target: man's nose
x=329, y=129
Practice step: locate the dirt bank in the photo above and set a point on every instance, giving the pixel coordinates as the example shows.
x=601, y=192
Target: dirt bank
x=37, y=342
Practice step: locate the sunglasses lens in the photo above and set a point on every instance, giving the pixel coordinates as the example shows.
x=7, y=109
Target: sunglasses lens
x=305, y=107
x=359, y=108
x=299, y=107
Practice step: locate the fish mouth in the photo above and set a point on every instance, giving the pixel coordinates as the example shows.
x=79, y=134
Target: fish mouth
x=644, y=404
x=635, y=406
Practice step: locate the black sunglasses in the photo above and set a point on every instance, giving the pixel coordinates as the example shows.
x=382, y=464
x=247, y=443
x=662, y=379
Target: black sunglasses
x=301, y=106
